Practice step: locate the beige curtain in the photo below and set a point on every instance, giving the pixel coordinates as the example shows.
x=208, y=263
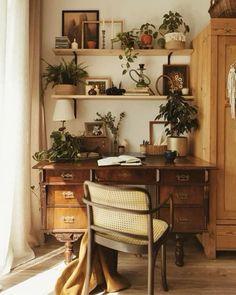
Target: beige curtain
x=19, y=95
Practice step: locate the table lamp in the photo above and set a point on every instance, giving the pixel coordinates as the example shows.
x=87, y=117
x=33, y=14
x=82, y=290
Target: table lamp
x=64, y=111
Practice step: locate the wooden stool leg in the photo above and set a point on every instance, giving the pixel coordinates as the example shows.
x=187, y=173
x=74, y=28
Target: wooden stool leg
x=163, y=268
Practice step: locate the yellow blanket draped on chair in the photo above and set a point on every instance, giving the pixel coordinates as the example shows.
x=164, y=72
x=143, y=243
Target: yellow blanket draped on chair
x=71, y=281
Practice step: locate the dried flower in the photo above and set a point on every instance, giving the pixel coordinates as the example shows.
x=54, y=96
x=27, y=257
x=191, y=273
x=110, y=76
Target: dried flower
x=110, y=120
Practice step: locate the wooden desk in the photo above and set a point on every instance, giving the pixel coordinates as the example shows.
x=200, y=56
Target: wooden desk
x=63, y=213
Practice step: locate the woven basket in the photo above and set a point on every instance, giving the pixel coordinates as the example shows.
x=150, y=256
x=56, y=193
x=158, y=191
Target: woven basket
x=222, y=8
x=152, y=149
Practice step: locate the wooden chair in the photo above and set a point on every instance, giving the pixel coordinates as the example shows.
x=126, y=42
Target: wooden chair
x=121, y=218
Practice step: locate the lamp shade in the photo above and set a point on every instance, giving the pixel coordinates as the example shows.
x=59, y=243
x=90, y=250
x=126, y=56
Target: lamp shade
x=64, y=110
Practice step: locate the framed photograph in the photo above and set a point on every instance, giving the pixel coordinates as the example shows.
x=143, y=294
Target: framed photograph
x=102, y=83
x=157, y=134
x=72, y=26
x=95, y=129
x=179, y=75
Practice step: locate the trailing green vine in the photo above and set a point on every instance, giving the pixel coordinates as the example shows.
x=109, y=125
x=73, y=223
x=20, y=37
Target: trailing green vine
x=65, y=147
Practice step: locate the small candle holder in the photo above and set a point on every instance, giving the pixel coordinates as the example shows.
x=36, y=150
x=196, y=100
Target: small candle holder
x=103, y=38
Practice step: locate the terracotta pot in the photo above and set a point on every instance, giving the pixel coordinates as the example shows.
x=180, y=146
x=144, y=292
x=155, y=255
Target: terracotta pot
x=92, y=44
x=65, y=89
x=146, y=39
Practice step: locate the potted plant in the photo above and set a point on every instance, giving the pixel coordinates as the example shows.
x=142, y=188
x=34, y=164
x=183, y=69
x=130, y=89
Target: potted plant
x=173, y=29
x=181, y=118
x=129, y=41
x=69, y=74
x=148, y=33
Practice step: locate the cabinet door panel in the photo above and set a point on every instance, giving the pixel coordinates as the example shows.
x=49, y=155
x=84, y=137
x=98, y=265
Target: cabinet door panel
x=226, y=176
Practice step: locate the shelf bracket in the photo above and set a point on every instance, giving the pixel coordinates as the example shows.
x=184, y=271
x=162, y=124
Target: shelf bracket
x=75, y=56
x=169, y=56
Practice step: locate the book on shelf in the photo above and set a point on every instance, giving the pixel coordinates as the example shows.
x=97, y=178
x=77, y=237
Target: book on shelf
x=138, y=91
x=122, y=160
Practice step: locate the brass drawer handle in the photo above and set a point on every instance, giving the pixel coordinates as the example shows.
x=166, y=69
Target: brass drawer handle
x=68, y=195
x=68, y=219
x=182, y=220
x=67, y=176
x=182, y=177
x=182, y=196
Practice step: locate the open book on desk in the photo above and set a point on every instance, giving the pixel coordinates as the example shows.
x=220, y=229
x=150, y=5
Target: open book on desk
x=123, y=160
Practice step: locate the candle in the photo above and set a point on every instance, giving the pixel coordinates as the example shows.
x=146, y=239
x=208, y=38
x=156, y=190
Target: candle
x=112, y=29
x=103, y=24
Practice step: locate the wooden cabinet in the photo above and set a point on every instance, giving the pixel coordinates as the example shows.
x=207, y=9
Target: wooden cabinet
x=215, y=141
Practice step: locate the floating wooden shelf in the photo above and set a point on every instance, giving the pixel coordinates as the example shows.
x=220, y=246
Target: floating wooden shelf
x=116, y=52
x=115, y=97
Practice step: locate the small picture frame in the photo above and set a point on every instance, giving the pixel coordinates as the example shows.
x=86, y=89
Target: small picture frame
x=179, y=75
x=103, y=83
x=95, y=129
x=157, y=134
x=72, y=26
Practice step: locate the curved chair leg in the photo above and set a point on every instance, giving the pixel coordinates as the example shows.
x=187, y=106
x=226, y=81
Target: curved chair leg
x=163, y=267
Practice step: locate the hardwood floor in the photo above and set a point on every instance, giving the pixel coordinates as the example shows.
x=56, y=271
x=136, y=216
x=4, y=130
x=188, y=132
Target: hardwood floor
x=198, y=276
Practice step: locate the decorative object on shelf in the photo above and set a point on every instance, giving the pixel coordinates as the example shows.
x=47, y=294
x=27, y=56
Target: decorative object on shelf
x=92, y=90
x=142, y=80
x=97, y=129
x=113, y=126
x=222, y=8
x=91, y=44
x=62, y=42
x=101, y=26
x=231, y=88
x=72, y=26
x=115, y=91
x=74, y=45
x=170, y=156
x=148, y=33
x=100, y=83
x=173, y=29
x=181, y=118
x=185, y=91
x=170, y=83
x=63, y=111
x=179, y=75
x=65, y=147
x=68, y=73
x=129, y=42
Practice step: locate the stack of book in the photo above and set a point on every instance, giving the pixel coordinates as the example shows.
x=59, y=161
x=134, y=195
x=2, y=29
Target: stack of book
x=138, y=91
x=62, y=42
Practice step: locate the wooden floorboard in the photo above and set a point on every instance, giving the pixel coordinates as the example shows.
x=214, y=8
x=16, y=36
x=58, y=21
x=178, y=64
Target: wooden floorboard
x=199, y=275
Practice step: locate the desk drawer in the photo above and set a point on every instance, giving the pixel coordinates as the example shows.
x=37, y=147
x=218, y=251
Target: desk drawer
x=126, y=175
x=182, y=176
x=183, y=195
x=67, y=176
x=186, y=219
x=66, y=218
x=65, y=195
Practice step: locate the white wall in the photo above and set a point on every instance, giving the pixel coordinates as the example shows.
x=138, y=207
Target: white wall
x=134, y=13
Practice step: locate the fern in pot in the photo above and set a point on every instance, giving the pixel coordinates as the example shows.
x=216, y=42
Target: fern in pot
x=181, y=118
x=64, y=77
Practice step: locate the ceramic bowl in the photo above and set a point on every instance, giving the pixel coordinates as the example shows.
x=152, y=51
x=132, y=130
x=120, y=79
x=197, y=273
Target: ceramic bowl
x=170, y=156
